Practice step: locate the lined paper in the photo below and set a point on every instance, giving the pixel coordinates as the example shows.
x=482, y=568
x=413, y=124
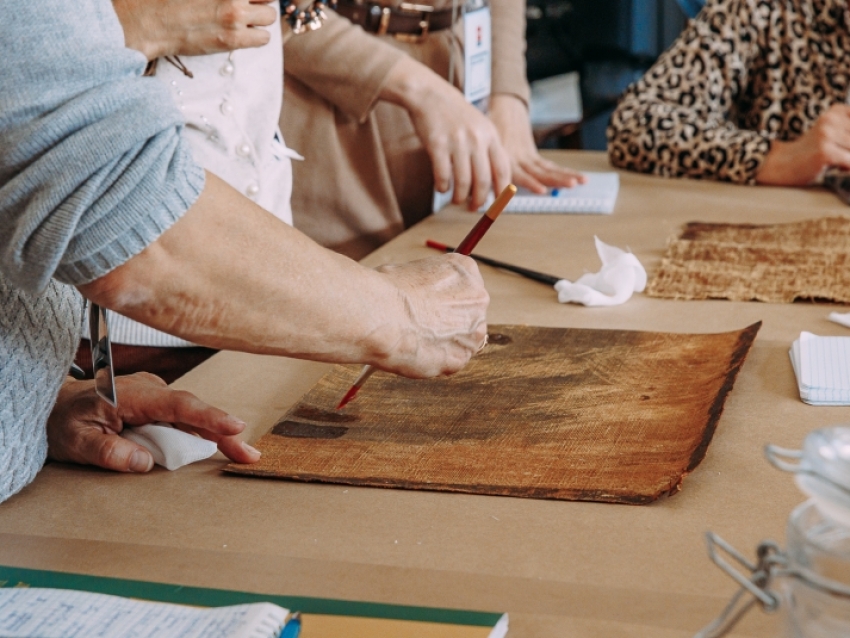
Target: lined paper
x=822, y=367
x=598, y=195
x=60, y=613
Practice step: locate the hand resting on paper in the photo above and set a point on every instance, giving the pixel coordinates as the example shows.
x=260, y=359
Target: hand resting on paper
x=445, y=302
x=82, y=428
x=529, y=169
x=194, y=27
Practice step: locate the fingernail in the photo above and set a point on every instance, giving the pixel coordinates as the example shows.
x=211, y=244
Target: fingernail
x=141, y=461
x=236, y=421
x=249, y=449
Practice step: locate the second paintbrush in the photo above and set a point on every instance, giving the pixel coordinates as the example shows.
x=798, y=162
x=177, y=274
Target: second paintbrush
x=525, y=272
x=466, y=246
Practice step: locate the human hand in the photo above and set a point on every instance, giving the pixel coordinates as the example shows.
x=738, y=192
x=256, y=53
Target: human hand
x=194, y=27
x=802, y=162
x=442, y=317
x=510, y=116
x=462, y=142
x=83, y=428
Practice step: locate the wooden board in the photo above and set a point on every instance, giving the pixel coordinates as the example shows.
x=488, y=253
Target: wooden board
x=778, y=263
x=600, y=415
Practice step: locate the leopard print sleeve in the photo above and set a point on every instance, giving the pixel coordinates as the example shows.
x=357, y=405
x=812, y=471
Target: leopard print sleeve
x=683, y=118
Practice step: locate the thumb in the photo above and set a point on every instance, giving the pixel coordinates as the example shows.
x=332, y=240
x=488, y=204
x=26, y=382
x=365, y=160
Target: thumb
x=110, y=451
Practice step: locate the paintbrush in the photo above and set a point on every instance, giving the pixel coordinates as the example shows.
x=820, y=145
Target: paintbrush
x=466, y=246
x=525, y=272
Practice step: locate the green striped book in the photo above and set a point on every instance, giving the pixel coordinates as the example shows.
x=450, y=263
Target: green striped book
x=321, y=617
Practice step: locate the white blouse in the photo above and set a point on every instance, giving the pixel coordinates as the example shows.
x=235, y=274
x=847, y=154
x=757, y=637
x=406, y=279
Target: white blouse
x=231, y=106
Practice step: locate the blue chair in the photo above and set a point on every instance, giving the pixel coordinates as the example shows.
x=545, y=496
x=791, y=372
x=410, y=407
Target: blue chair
x=691, y=7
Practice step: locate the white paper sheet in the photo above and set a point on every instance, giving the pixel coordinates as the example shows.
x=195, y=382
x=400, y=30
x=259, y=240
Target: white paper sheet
x=822, y=367
x=60, y=613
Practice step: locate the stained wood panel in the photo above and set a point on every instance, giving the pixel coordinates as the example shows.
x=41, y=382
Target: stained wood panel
x=599, y=415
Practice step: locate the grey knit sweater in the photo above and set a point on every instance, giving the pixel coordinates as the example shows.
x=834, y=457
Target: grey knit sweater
x=92, y=170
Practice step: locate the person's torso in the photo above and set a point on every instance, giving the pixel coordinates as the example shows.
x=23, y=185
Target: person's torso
x=232, y=106
x=803, y=68
x=39, y=334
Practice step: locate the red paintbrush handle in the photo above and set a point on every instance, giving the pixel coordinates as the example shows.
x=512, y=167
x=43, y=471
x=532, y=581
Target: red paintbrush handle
x=471, y=240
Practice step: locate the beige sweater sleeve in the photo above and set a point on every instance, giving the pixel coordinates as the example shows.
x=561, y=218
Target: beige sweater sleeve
x=509, y=48
x=340, y=62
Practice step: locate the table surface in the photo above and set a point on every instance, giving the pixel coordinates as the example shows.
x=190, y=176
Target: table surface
x=558, y=568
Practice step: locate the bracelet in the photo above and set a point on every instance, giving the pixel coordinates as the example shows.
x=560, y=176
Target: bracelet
x=302, y=20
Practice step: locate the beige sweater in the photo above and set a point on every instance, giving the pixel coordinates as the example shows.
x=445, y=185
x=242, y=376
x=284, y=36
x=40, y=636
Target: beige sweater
x=366, y=176
x=348, y=66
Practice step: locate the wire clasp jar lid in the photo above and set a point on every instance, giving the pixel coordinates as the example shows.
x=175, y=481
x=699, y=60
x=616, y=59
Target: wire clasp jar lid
x=822, y=471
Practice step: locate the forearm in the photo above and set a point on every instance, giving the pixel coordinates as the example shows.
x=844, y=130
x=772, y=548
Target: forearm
x=141, y=32
x=509, y=68
x=248, y=282
x=659, y=138
x=341, y=62
x=410, y=84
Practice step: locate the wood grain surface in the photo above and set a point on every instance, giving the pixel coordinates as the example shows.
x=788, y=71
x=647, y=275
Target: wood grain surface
x=778, y=263
x=574, y=414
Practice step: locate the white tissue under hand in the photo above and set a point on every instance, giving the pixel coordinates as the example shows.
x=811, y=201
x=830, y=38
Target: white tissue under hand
x=621, y=276
x=171, y=448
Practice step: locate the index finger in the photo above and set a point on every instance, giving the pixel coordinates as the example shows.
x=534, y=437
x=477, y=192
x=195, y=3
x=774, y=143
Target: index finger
x=142, y=404
x=553, y=175
x=501, y=163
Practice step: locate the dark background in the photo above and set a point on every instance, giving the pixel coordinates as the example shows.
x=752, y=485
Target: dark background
x=609, y=42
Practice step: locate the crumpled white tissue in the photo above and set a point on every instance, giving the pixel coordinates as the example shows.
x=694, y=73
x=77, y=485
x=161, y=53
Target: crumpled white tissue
x=621, y=276
x=839, y=317
x=171, y=448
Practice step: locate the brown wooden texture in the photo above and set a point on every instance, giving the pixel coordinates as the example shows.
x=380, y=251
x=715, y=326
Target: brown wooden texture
x=599, y=415
x=777, y=263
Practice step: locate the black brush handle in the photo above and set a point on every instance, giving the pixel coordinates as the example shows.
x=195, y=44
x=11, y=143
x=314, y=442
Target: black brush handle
x=525, y=272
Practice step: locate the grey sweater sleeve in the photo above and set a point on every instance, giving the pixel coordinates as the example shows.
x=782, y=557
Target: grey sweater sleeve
x=92, y=164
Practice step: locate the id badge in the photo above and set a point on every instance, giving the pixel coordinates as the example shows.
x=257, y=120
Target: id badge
x=477, y=55
x=477, y=67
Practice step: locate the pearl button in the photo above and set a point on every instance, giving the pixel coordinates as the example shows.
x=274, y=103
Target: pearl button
x=227, y=69
x=226, y=108
x=252, y=190
x=243, y=150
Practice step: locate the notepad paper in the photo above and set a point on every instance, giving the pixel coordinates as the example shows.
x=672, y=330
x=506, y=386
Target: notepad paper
x=60, y=613
x=822, y=367
x=598, y=195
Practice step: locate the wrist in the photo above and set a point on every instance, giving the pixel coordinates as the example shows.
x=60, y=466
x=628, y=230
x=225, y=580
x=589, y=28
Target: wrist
x=408, y=83
x=139, y=36
x=773, y=168
x=507, y=101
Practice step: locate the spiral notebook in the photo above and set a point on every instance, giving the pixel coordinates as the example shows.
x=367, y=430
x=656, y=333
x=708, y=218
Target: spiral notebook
x=598, y=195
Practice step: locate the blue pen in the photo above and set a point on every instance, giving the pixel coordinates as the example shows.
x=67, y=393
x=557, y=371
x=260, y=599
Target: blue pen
x=292, y=627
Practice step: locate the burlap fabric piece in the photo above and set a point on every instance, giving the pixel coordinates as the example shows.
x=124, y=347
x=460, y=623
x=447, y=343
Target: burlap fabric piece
x=597, y=415
x=777, y=263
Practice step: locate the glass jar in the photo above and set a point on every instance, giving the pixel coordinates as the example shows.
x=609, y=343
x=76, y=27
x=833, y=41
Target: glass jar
x=810, y=580
x=815, y=583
